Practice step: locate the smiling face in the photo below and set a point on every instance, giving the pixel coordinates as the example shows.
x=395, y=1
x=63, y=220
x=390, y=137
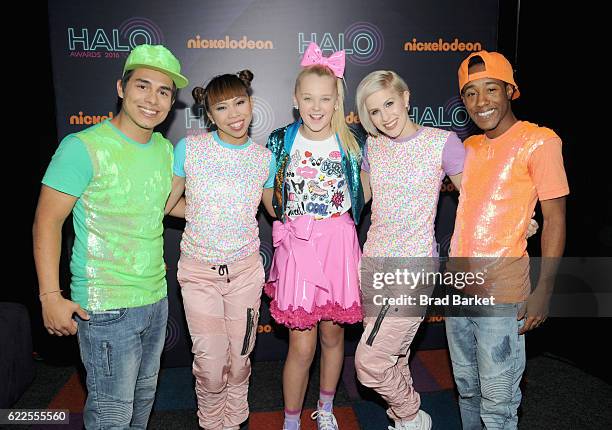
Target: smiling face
x=147, y=99
x=487, y=101
x=317, y=99
x=233, y=118
x=387, y=109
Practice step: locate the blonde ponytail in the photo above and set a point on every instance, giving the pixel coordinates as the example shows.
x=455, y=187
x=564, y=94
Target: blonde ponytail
x=338, y=124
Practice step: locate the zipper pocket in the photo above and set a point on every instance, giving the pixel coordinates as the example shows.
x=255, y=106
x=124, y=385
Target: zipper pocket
x=249, y=329
x=377, y=324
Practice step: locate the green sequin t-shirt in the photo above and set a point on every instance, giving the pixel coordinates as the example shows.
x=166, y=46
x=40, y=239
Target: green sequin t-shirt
x=122, y=187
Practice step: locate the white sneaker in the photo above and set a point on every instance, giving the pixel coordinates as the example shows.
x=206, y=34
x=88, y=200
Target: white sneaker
x=421, y=422
x=291, y=425
x=325, y=420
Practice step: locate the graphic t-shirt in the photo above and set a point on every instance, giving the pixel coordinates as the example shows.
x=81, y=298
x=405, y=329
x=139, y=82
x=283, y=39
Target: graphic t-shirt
x=315, y=180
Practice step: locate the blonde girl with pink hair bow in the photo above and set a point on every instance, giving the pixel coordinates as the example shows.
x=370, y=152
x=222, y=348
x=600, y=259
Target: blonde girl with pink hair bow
x=317, y=197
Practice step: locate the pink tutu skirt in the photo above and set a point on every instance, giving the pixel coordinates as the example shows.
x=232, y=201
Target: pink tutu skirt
x=315, y=272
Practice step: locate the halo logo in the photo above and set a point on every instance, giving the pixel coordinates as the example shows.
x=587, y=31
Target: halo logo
x=267, y=252
x=460, y=119
x=452, y=115
x=263, y=120
x=131, y=33
x=443, y=247
x=195, y=118
x=363, y=43
x=173, y=332
x=261, y=125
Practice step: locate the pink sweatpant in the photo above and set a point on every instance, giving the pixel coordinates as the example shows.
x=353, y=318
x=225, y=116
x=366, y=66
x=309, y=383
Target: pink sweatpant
x=381, y=362
x=222, y=309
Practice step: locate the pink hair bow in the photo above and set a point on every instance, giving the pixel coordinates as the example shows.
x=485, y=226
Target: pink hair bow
x=314, y=55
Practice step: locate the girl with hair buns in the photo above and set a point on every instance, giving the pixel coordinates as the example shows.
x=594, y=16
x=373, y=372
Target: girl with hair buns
x=220, y=271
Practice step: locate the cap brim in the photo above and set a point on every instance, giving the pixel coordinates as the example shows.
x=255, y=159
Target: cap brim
x=179, y=80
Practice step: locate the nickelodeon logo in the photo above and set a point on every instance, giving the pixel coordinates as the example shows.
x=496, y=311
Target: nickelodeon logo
x=228, y=43
x=447, y=187
x=82, y=119
x=352, y=118
x=265, y=328
x=441, y=46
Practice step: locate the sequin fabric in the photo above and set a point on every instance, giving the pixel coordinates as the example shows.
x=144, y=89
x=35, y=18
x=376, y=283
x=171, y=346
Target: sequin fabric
x=497, y=194
x=223, y=189
x=405, y=178
x=118, y=260
x=497, y=199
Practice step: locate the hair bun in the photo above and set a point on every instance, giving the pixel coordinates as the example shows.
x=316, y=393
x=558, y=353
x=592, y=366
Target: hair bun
x=246, y=76
x=199, y=95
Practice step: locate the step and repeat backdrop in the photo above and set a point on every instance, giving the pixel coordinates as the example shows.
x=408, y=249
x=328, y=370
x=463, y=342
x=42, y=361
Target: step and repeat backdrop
x=422, y=41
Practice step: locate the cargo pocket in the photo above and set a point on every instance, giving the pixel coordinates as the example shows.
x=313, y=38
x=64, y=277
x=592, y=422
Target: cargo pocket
x=250, y=331
x=379, y=320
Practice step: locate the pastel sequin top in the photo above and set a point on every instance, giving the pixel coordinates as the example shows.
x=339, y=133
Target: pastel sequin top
x=223, y=188
x=405, y=177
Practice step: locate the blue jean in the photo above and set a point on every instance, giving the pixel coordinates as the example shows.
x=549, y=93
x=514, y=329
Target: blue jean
x=488, y=358
x=121, y=350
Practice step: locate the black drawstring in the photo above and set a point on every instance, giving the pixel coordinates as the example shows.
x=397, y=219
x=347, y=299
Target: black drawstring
x=223, y=270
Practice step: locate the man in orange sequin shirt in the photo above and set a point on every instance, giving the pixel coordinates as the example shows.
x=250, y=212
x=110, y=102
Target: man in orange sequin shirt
x=507, y=170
